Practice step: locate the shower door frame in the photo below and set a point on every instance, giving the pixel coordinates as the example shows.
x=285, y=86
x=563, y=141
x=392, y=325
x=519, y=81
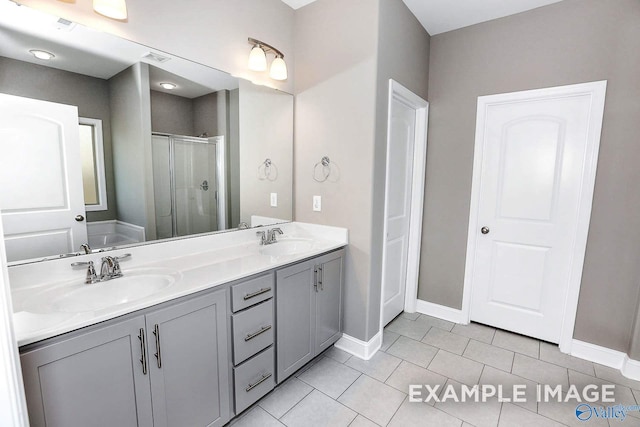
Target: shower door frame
x=221, y=182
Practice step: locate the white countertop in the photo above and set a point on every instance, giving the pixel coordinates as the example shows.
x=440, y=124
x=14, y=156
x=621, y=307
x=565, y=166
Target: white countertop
x=194, y=264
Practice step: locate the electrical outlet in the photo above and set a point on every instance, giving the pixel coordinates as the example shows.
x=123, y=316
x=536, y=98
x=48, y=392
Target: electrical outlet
x=317, y=203
x=274, y=200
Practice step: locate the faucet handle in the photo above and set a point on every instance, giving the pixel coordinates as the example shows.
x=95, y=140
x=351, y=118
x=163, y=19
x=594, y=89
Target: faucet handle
x=263, y=237
x=92, y=277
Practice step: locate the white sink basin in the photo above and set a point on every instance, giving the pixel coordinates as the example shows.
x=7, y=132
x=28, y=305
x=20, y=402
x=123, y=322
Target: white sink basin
x=287, y=247
x=79, y=298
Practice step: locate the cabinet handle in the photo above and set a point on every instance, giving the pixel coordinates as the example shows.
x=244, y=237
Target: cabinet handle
x=156, y=332
x=257, y=383
x=256, y=293
x=320, y=278
x=315, y=278
x=143, y=351
x=262, y=330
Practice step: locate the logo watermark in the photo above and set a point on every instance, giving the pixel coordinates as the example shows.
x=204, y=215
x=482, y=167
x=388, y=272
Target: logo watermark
x=586, y=412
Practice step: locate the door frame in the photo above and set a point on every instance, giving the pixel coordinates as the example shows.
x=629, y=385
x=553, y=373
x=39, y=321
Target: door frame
x=402, y=94
x=597, y=91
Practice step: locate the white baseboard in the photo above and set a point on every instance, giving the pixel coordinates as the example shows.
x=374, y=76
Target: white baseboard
x=439, y=311
x=605, y=356
x=361, y=349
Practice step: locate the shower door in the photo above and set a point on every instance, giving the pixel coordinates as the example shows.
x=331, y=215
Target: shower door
x=186, y=172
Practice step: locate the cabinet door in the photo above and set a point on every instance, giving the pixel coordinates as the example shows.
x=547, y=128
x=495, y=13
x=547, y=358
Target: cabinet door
x=94, y=379
x=189, y=363
x=295, y=318
x=328, y=300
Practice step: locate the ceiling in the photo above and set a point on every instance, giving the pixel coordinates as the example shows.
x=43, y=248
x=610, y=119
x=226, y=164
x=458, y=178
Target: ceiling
x=439, y=16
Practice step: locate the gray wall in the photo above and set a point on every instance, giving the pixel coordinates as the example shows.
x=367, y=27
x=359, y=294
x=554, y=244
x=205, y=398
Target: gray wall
x=89, y=94
x=131, y=134
x=171, y=114
x=569, y=42
x=341, y=112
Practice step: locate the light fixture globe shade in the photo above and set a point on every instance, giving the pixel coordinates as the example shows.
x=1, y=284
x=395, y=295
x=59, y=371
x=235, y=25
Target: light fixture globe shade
x=116, y=9
x=278, y=69
x=257, y=59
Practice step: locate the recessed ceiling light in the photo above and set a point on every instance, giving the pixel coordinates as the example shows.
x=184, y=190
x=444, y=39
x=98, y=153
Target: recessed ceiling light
x=168, y=86
x=42, y=54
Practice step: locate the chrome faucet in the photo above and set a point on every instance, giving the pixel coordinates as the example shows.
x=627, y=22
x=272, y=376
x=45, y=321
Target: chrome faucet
x=86, y=248
x=272, y=235
x=109, y=269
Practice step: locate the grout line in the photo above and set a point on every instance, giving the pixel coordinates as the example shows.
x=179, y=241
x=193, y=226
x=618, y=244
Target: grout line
x=397, y=409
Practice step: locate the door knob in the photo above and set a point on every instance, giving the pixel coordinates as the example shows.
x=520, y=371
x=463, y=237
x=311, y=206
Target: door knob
x=485, y=230
x=79, y=218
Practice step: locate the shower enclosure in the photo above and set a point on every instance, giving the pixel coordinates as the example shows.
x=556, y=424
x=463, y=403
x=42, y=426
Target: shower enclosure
x=188, y=184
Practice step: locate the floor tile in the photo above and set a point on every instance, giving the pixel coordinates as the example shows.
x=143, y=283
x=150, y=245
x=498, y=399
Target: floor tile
x=496, y=377
x=440, y=338
x=539, y=371
x=551, y=353
x=285, y=397
x=408, y=328
x=410, y=316
x=480, y=414
x=337, y=354
x=256, y=417
x=435, y=322
x=373, y=399
x=388, y=338
x=361, y=421
x=457, y=367
x=475, y=331
x=489, y=355
x=413, y=351
x=330, y=377
x=380, y=366
x=407, y=374
x=517, y=343
x=565, y=413
x=513, y=415
x=419, y=414
x=615, y=376
x=318, y=410
x=622, y=394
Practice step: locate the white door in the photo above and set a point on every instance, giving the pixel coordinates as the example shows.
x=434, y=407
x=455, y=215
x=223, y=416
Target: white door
x=534, y=181
x=400, y=147
x=41, y=194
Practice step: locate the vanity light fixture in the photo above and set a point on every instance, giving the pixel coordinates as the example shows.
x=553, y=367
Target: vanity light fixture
x=42, y=54
x=258, y=59
x=116, y=9
x=168, y=86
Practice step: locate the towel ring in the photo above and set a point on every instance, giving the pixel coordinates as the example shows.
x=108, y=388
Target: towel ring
x=268, y=171
x=325, y=162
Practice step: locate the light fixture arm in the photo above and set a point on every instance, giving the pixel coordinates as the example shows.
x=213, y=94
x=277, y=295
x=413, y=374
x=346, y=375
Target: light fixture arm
x=266, y=47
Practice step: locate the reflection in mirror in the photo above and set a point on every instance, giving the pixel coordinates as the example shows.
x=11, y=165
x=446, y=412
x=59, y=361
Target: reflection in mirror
x=113, y=143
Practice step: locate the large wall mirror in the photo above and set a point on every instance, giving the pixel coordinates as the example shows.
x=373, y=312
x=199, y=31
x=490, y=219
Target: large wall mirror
x=108, y=142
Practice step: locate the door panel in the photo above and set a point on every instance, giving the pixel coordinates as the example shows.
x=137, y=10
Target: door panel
x=188, y=363
x=40, y=156
x=328, y=301
x=531, y=180
x=95, y=379
x=397, y=207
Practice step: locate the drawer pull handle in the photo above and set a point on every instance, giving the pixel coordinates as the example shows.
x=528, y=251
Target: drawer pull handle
x=257, y=383
x=256, y=293
x=255, y=334
x=143, y=351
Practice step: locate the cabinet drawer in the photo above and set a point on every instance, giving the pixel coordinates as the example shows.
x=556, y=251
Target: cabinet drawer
x=254, y=379
x=251, y=292
x=252, y=331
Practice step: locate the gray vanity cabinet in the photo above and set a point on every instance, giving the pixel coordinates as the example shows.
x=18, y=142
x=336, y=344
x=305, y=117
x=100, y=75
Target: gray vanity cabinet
x=308, y=310
x=93, y=379
x=188, y=362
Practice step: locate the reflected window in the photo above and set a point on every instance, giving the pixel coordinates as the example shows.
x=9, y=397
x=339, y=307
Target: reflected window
x=92, y=157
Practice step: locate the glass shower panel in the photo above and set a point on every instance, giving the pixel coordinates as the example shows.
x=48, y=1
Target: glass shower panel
x=195, y=186
x=161, y=157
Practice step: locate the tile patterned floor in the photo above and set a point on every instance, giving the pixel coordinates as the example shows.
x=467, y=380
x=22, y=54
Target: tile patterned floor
x=337, y=389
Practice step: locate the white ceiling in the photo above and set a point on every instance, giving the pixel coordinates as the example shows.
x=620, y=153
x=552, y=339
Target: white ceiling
x=439, y=16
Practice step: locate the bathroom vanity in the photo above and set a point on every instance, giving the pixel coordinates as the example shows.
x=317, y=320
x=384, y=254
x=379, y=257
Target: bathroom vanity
x=196, y=352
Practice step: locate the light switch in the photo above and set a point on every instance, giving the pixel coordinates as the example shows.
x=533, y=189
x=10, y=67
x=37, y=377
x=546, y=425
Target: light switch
x=317, y=203
x=274, y=200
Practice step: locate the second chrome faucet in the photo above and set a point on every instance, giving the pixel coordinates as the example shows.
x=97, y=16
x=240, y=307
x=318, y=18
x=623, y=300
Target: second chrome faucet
x=109, y=269
x=269, y=237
